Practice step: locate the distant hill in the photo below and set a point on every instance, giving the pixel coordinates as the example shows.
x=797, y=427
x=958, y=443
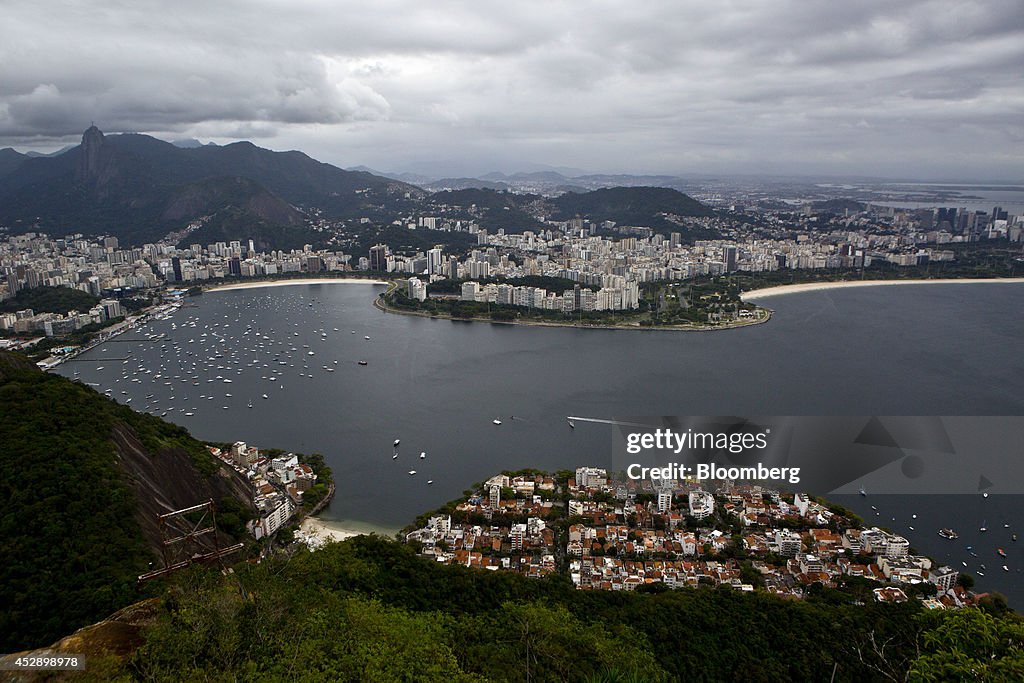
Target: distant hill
x=464, y=184
x=190, y=143
x=50, y=300
x=139, y=188
x=83, y=480
x=838, y=206
x=492, y=209
x=654, y=207
x=10, y=160
x=641, y=206
x=33, y=153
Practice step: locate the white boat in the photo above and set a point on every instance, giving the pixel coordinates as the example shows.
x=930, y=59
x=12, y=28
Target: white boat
x=412, y=472
x=265, y=396
x=423, y=455
x=366, y=337
x=496, y=421
x=397, y=441
x=250, y=404
x=430, y=481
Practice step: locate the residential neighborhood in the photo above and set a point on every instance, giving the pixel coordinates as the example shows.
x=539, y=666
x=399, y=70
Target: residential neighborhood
x=612, y=533
x=277, y=484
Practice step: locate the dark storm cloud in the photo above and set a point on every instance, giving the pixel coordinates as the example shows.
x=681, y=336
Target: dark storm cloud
x=655, y=86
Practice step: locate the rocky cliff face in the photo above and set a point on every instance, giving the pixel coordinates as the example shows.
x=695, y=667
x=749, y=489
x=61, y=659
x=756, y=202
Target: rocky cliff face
x=89, y=159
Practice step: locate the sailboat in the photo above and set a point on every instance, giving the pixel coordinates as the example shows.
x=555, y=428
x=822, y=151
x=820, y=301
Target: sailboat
x=983, y=528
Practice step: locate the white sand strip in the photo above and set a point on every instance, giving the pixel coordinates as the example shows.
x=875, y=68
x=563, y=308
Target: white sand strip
x=815, y=286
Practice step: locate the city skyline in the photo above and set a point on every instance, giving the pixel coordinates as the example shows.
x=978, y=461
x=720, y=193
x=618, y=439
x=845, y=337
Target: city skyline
x=927, y=90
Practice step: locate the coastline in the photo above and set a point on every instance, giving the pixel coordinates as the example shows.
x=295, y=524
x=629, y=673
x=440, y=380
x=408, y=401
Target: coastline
x=380, y=305
x=295, y=281
x=327, y=530
x=781, y=290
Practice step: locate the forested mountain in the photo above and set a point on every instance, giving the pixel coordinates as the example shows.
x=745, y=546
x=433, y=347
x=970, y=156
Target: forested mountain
x=647, y=206
x=139, y=188
x=83, y=479
x=10, y=160
x=660, y=208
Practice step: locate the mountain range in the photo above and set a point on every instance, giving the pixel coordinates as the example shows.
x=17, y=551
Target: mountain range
x=140, y=189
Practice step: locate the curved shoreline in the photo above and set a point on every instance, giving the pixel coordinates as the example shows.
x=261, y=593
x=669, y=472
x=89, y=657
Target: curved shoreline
x=296, y=281
x=781, y=290
x=378, y=303
x=340, y=530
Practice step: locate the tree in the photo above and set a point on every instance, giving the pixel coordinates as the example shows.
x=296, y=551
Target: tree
x=969, y=644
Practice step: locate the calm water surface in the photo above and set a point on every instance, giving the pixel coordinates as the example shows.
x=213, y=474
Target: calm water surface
x=438, y=385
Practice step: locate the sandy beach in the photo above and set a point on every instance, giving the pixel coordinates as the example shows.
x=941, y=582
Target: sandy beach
x=319, y=531
x=814, y=286
x=303, y=281
x=326, y=530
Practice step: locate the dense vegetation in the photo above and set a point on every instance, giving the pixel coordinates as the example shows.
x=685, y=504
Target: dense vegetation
x=50, y=300
x=72, y=546
x=643, y=206
x=143, y=188
x=490, y=209
x=654, y=207
x=368, y=609
x=404, y=241
x=235, y=223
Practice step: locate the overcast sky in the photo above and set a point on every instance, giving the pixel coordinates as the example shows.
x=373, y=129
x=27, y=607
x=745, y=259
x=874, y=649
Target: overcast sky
x=890, y=87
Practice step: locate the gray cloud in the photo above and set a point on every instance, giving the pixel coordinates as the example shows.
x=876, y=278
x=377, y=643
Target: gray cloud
x=908, y=88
